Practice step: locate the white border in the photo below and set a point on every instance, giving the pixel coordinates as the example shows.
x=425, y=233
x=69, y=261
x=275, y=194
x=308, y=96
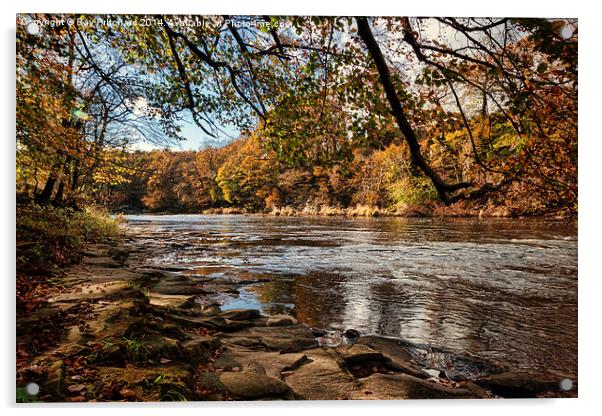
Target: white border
x=589, y=184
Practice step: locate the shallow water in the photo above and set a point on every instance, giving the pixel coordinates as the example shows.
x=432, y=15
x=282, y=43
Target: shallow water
x=504, y=290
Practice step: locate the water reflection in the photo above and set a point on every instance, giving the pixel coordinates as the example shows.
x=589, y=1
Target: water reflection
x=501, y=289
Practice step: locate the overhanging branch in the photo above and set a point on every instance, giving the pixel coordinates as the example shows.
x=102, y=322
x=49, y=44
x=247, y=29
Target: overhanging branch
x=443, y=188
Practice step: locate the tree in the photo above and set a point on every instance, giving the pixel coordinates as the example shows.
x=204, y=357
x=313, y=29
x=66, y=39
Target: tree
x=248, y=175
x=314, y=89
x=279, y=75
x=74, y=105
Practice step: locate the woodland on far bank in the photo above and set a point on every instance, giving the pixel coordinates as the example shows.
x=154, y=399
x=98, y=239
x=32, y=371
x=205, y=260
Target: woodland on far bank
x=336, y=115
x=244, y=177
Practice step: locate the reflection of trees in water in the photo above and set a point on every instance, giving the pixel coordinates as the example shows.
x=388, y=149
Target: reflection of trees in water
x=275, y=294
x=319, y=299
x=367, y=307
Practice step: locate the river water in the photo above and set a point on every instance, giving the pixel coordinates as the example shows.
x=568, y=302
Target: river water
x=504, y=289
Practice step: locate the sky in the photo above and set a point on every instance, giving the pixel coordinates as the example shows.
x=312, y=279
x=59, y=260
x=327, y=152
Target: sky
x=195, y=139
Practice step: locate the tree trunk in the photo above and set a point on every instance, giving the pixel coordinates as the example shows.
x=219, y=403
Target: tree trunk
x=44, y=197
x=60, y=191
x=443, y=188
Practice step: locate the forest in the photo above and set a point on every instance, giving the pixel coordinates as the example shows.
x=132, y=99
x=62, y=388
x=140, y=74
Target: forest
x=332, y=112
x=458, y=133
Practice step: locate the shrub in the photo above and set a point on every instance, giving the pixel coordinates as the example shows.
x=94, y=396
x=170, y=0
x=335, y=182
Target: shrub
x=409, y=190
x=49, y=236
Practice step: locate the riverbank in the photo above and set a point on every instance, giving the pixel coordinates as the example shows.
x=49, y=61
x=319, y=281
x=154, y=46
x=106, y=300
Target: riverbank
x=426, y=211
x=432, y=210
x=115, y=327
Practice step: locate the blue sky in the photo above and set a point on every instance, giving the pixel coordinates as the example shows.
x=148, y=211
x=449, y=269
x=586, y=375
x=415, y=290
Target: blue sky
x=195, y=139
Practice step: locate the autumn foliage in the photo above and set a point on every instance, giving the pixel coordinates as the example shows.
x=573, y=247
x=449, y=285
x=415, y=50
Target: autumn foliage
x=437, y=115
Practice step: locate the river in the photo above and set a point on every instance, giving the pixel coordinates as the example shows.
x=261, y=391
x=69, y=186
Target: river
x=500, y=289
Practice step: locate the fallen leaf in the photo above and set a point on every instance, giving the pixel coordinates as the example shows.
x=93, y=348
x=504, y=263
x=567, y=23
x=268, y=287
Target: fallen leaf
x=77, y=399
x=76, y=388
x=128, y=394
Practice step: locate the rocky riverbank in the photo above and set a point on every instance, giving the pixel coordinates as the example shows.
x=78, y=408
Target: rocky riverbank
x=121, y=330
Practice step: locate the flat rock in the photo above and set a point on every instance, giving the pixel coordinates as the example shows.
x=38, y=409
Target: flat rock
x=214, y=322
x=292, y=338
x=211, y=343
x=171, y=267
x=240, y=314
x=142, y=328
x=218, y=288
x=92, y=291
x=264, y=362
x=255, y=386
x=199, y=349
x=93, y=252
x=357, y=353
x=178, y=285
x=520, y=384
x=280, y=320
x=160, y=299
x=102, y=262
x=322, y=377
x=156, y=347
x=150, y=274
x=195, y=304
x=404, y=386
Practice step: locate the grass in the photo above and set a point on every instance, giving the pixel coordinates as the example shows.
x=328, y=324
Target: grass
x=173, y=395
x=139, y=286
x=48, y=236
x=135, y=350
x=24, y=397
